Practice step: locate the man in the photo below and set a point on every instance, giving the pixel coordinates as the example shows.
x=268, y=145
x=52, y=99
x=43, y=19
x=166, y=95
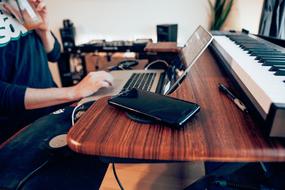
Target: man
x=27, y=90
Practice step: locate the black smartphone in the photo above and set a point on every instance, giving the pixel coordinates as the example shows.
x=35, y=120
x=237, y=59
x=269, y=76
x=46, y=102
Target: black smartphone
x=168, y=110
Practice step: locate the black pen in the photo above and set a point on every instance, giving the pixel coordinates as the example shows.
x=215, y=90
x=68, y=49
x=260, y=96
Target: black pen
x=237, y=102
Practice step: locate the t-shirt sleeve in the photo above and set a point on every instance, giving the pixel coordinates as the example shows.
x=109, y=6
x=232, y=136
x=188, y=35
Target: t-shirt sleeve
x=12, y=98
x=54, y=55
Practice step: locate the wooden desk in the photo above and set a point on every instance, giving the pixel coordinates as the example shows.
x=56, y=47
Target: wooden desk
x=220, y=132
x=162, y=47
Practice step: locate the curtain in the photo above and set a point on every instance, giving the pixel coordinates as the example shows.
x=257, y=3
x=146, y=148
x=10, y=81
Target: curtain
x=273, y=19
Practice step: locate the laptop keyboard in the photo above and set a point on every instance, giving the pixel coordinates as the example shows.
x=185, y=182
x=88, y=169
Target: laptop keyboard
x=142, y=81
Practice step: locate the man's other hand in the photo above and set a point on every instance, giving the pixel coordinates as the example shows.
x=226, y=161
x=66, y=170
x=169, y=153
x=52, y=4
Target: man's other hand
x=41, y=8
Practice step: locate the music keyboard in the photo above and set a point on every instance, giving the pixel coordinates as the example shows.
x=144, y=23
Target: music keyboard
x=259, y=68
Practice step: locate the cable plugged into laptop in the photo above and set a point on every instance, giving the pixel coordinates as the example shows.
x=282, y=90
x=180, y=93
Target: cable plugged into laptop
x=124, y=65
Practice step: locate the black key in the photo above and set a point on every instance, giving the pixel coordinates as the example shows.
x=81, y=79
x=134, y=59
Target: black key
x=273, y=60
x=256, y=54
x=280, y=72
x=262, y=51
x=272, y=63
x=273, y=53
x=257, y=48
x=271, y=57
x=277, y=67
x=253, y=46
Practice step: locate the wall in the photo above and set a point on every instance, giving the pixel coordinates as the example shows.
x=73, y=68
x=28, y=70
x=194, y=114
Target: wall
x=245, y=14
x=132, y=19
x=128, y=19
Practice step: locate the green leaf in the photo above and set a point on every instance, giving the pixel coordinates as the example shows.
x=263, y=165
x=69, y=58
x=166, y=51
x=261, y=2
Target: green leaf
x=221, y=10
x=226, y=12
x=217, y=4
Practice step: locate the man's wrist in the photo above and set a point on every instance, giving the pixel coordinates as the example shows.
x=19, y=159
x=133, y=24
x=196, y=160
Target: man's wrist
x=73, y=94
x=44, y=34
x=47, y=39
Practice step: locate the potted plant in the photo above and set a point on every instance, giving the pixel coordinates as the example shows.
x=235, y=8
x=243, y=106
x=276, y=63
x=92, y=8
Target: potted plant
x=220, y=11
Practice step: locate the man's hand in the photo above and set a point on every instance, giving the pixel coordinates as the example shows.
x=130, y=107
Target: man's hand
x=92, y=83
x=41, y=8
x=43, y=29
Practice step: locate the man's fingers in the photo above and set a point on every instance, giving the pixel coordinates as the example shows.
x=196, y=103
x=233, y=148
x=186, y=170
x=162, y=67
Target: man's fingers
x=105, y=84
x=36, y=1
x=12, y=11
x=109, y=83
x=41, y=6
x=102, y=75
x=7, y=8
x=109, y=78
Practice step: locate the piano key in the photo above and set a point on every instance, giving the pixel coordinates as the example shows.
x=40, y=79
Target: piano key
x=264, y=51
x=276, y=67
x=259, y=81
x=274, y=58
x=271, y=57
x=280, y=72
x=272, y=53
x=272, y=63
x=252, y=46
x=269, y=60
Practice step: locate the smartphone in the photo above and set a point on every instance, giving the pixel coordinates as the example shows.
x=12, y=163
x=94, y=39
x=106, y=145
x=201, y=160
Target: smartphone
x=171, y=111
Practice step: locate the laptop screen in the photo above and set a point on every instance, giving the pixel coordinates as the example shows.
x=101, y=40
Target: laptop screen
x=193, y=49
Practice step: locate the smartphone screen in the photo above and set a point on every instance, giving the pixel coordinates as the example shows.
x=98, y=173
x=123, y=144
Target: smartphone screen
x=161, y=108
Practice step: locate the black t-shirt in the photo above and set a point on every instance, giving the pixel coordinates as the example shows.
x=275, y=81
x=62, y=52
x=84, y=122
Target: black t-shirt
x=23, y=64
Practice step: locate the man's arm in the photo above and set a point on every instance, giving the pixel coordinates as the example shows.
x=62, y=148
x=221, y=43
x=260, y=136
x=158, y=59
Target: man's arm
x=43, y=30
x=16, y=98
x=11, y=98
x=40, y=98
x=47, y=40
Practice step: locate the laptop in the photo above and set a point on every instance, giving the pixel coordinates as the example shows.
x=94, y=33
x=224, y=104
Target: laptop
x=157, y=80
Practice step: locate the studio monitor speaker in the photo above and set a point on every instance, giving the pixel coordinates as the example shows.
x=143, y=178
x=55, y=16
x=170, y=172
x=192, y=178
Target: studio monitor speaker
x=67, y=35
x=167, y=32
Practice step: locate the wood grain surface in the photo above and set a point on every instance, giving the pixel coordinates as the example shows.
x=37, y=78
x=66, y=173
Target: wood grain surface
x=162, y=47
x=219, y=132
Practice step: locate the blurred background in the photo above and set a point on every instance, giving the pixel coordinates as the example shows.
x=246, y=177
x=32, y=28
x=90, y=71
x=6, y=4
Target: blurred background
x=133, y=19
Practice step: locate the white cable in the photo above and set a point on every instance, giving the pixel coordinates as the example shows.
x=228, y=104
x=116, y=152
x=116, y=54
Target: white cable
x=73, y=114
x=156, y=61
x=75, y=109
